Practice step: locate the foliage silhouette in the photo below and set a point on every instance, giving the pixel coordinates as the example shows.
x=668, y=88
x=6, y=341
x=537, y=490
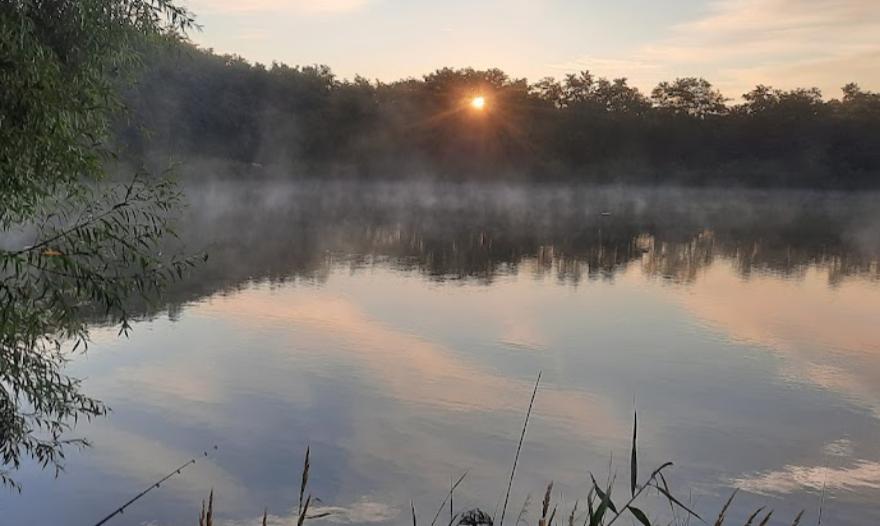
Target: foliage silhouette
x=305, y=120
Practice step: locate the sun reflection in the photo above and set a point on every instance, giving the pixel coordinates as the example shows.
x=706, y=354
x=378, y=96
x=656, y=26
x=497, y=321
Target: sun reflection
x=478, y=102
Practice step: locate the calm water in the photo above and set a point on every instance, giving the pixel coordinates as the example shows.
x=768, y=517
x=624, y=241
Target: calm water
x=398, y=329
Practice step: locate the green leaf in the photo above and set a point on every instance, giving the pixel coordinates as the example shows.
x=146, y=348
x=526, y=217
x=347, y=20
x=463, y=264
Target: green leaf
x=634, y=464
x=603, y=496
x=640, y=515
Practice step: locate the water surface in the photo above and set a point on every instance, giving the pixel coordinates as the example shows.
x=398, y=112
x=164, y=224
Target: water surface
x=397, y=329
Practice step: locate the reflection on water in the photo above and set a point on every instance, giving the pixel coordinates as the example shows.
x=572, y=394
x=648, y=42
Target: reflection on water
x=279, y=231
x=397, y=330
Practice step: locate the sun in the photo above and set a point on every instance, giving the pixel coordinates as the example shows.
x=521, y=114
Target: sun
x=478, y=102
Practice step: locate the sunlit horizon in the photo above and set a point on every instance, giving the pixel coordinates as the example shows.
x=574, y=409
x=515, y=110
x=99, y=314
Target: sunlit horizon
x=736, y=45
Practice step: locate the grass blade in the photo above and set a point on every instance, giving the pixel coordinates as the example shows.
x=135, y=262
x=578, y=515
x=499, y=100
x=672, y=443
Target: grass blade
x=634, y=463
x=590, y=496
x=524, y=510
x=209, y=517
x=518, y=450
x=720, y=520
x=677, y=502
x=304, y=511
x=305, y=480
x=640, y=515
x=573, y=513
x=754, y=515
x=604, y=504
x=652, y=478
x=448, y=497
x=545, y=505
x=603, y=495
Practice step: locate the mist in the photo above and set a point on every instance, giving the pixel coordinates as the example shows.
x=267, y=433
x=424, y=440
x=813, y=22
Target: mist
x=277, y=229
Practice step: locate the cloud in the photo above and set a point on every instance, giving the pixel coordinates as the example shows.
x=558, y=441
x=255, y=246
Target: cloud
x=786, y=43
x=829, y=74
x=278, y=6
x=767, y=19
x=252, y=36
x=600, y=64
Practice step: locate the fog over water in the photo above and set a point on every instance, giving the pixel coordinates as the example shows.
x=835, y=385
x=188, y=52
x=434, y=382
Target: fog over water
x=397, y=329
x=468, y=229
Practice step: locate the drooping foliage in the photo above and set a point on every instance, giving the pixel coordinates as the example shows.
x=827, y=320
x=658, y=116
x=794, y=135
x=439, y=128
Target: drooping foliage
x=72, y=244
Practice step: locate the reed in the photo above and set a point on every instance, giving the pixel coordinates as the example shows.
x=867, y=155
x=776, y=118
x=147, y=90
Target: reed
x=206, y=517
x=601, y=508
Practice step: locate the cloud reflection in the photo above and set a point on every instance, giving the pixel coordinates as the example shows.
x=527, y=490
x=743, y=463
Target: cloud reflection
x=146, y=460
x=408, y=367
x=826, y=336
x=362, y=512
x=863, y=474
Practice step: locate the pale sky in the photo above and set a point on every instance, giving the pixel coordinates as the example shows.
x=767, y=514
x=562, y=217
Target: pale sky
x=733, y=43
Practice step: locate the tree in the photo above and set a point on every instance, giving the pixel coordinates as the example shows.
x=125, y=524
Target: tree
x=206, y=105
x=549, y=90
x=689, y=96
x=860, y=103
x=617, y=96
x=761, y=99
x=83, y=245
x=578, y=88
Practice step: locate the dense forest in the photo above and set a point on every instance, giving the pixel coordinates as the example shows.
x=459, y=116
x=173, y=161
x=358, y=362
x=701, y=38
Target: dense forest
x=193, y=103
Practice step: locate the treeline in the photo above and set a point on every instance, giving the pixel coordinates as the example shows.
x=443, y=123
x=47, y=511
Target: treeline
x=194, y=103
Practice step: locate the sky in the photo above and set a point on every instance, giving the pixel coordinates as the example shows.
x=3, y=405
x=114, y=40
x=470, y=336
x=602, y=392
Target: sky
x=735, y=44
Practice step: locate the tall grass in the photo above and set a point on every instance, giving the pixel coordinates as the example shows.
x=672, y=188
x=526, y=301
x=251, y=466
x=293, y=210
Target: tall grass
x=600, y=506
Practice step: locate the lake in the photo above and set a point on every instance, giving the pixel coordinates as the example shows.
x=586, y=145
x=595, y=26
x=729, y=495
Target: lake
x=397, y=329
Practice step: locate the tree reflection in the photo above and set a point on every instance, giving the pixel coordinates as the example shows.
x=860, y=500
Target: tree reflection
x=300, y=233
